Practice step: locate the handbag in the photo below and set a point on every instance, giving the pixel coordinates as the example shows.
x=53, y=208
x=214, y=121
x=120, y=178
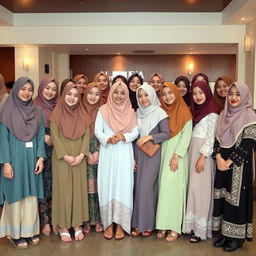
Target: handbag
x=149, y=148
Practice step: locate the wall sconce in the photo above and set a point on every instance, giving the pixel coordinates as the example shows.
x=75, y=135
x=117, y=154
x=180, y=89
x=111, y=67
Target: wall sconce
x=25, y=63
x=190, y=68
x=247, y=43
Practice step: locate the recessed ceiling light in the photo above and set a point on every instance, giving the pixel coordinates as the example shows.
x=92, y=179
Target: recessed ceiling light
x=86, y=49
x=243, y=18
x=118, y=53
x=191, y=49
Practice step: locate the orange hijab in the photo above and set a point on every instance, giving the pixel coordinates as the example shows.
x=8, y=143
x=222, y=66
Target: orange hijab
x=178, y=112
x=72, y=121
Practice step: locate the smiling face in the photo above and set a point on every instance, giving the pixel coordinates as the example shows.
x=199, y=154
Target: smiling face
x=168, y=96
x=182, y=88
x=198, y=96
x=26, y=92
x=50, y=91
x=156, y=83
x=93, y=95
x=71, y=98
x=81, y=84
x=134, y=84
x=234, y=97
x=118, y=95
x=102, y=81
x=222, y=88
x=143, y=98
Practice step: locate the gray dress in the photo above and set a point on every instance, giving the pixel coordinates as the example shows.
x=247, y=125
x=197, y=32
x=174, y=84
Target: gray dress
x=146, y=181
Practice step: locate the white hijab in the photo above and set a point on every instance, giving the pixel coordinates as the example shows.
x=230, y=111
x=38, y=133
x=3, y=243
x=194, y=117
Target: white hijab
x=149, y=117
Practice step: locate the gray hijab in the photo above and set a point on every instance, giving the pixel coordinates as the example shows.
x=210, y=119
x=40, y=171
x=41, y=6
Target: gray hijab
x=21, y=118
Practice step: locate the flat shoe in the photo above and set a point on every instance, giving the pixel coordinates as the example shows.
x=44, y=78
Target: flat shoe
x=77, y=233
x=147, y=233
x=98, y=228
x=161, y=234
x=232, y=246
x=220, y=242
x=34, y=240
x=64, y=234
x=172, y=236
x=195, y=239
x=135, y=233
x=20, y=243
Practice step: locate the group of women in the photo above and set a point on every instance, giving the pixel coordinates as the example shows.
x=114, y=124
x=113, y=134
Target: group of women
x=131, y=157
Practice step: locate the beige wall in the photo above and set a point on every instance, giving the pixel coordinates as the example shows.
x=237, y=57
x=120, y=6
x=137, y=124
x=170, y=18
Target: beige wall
x=250, y=59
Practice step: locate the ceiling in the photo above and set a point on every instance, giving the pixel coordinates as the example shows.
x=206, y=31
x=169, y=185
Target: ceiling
x=56, y=6
x=125, y=49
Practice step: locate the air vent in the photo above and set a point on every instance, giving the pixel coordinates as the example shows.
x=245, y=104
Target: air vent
x=144, y=51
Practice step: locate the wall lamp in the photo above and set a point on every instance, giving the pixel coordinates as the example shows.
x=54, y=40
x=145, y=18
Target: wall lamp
x=25, y=64
x=190, y=68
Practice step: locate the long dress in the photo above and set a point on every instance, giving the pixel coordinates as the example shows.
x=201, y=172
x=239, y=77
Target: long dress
x=200, y=189
x=146, y=181
x=233, y=201
x=115, y=176
x=45, y=205
x=69, y=190
x=25, y=187
x=92, y=173
x=171, y=206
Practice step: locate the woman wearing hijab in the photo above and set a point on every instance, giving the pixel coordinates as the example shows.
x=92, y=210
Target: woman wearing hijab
x=116, y=162
x=233, y=150
x=120, y=78
x=70, y=136
x=200, y=77
x=92, y=98
x=46, y=100
x=81, y=82
x=21, y=155
x=201, y=164
x=134, y=82
x=156, y=81
x=64, y=83
x=153, y=127
x=3, y=92
x=102, y=80
x=183, y=85
x=173, y=174
x=221, y=87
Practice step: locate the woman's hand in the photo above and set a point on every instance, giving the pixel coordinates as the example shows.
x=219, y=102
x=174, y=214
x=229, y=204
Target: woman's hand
x=174, y=163
x=221, y=163
x=119, y=137
x=95, y=156
x=48, y=140
x=141, y=141
x=135, y=167
x=8, y=171
x=69, y=159
x=90, y=159
x=112, y=140
x=78, y=160
x=39, y=165
x=200, y=163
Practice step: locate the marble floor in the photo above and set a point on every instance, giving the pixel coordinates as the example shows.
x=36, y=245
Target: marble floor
x=95, y=244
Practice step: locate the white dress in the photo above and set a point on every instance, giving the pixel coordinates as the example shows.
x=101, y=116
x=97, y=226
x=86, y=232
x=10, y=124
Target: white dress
x=115, y=176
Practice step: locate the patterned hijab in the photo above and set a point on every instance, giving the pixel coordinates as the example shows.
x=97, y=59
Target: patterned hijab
x=2, y=87
x=72, y=121
x=233, y=120
x=209, y=106
x=187, y=96
x=121, y=118
x=90, y=109
x=21, y=118
x=104, y=96
x=200, y=74
x=45, y=105
x=150, y=116
x=220, y=101
x=178, y=112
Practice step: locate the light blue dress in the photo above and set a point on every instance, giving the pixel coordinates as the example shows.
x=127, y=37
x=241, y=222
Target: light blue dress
x=115, y=176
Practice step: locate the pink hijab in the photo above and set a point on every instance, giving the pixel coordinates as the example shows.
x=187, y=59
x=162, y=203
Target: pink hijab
x=121, y=118
x=233, y=120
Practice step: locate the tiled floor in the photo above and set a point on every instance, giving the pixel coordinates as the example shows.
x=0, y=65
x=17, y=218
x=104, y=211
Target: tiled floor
x=95, y=244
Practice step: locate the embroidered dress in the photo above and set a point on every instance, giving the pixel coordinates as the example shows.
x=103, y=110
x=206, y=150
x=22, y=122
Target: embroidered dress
x=233, y=202
x=92, y=171
x=200, y=189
